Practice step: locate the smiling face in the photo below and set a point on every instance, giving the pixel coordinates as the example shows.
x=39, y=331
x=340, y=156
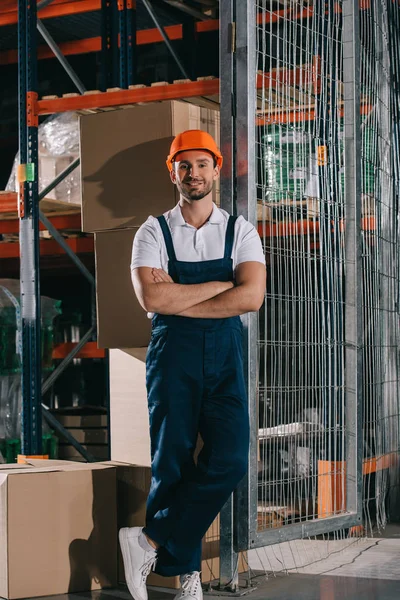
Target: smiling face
x=194, y=174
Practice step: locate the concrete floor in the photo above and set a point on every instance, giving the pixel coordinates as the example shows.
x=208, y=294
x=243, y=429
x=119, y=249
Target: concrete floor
x=365, y=570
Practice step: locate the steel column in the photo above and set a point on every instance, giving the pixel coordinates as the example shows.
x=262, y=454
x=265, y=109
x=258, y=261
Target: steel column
x=131, y=52
x=353, y=306
x=238, y=193
x=29, y=231
x=106, y=59
x=228, y=557
x=246, y=198
x=123, y=78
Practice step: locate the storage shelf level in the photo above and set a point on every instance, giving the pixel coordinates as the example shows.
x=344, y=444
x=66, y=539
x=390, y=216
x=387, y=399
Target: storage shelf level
x=90, y=350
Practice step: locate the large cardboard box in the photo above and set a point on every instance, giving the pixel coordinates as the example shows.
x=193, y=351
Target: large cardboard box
x=129, y=418
x=124, y=180
x=133, y=484
x=123, y=153
x=57, y=528
x=122, y=322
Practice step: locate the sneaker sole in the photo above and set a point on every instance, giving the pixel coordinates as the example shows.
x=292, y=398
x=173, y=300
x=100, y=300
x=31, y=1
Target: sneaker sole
x=123, y=542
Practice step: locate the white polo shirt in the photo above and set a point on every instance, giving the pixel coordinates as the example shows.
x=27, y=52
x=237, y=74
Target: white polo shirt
x=195, y=245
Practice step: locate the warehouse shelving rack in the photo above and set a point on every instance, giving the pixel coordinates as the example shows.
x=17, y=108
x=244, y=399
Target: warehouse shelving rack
x=31, y=220
x=204, y=91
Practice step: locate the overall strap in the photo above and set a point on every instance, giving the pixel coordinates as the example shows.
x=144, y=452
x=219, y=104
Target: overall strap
x=167, y=238
x=230, y=234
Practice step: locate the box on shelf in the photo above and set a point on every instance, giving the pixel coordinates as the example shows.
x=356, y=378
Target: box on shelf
x=124, y=180
x=133, y=484
x=87, y=417
x=123, y=153
x=51, y=167
x=57, y=528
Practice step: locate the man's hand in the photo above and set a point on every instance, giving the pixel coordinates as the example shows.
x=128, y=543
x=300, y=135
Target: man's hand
x=247, y=296
x=160, y=276
x=157, y=293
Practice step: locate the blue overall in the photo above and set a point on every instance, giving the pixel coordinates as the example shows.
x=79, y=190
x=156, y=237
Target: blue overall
x=195, y=384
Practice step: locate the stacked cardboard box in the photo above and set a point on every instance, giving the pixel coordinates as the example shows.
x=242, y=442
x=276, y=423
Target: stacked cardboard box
x=124, y=180
x=58, y=529
x=89, y=427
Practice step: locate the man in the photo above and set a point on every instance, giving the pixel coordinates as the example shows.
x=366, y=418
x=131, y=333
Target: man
x=196, y=269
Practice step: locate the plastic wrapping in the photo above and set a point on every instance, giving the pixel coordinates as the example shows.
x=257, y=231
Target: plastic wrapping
x=10, y=354
x=58, y=147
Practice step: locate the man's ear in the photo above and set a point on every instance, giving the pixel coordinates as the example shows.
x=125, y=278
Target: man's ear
x=216, y=172
x=172, y=174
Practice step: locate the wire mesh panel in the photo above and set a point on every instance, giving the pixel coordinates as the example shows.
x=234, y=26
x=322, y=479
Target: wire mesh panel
x=300, y=193
x=380, y=53
x=321, y=274
x=326, y=173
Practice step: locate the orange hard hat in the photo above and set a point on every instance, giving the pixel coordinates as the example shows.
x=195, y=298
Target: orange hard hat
x=193, y=139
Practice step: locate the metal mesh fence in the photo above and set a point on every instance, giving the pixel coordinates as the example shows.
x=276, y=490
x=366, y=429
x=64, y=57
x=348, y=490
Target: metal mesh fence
x=301, y=204
x=380, y=44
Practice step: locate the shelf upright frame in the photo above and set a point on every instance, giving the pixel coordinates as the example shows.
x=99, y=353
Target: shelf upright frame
x=28, y=208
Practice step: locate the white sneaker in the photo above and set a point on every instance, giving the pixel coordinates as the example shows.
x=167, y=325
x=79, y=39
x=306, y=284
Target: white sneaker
x=137, y=562
x=191, y=587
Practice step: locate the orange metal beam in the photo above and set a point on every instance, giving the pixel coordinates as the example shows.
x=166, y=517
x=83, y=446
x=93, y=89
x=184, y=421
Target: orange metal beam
x=379, y=463
x=155, y=93
x=59, y=222
x=298, y=115
x=90, y=350
x=302, y=227
x=82, y=245
x=58, y=8
x=145, y=36
x=8, y=202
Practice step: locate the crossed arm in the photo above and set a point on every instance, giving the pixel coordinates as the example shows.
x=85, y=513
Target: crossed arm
x=157, y=292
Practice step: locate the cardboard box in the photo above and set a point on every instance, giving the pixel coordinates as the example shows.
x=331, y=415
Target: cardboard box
x=88, y=436
x=133, y=484
x=129, y=418
x=124, y=180
x=121, y=321
x=68, y=190
x=82, y=418
x=123, y=153
x=57, y=528
x=68, y=452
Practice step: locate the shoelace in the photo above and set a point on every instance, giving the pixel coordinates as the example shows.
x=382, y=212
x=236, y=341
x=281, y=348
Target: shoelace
x=147, y=567
x=190, y=584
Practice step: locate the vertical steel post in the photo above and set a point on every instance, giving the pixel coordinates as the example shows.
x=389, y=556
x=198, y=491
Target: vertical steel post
x=106, y=45
x=131, y=52
x=228, y=557
x=29, y=230
x=238, y=196
x=246, y=205
x=123, y=79
x=353, y=289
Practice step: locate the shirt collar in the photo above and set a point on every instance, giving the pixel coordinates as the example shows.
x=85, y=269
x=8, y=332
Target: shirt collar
x=176, y=219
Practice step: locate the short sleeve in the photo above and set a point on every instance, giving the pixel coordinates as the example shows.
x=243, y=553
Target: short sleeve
x=146, y=251
x=249, y=247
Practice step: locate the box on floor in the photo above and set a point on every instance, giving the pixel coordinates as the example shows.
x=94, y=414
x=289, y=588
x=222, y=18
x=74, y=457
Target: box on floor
x=133, y=484
x=57, y=528
x=124, y=181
